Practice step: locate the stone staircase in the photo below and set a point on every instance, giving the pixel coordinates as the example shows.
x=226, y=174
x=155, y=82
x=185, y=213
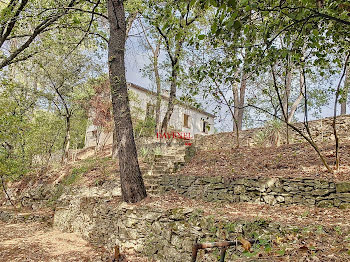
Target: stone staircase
x=171, y=159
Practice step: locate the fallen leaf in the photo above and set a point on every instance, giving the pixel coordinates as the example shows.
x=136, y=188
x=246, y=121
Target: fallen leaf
x=304, y=248
x=245, y=243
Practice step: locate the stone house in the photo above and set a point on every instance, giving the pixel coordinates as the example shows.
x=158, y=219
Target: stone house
x=185, y=118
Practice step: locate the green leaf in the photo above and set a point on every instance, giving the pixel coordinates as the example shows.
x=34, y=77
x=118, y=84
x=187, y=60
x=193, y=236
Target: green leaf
x=237, y=24
x=76, y=20
x=232, y=3
x=201, y=37
x=214, y=3
x=214, y=27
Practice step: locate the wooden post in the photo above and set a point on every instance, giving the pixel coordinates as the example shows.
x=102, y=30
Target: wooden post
x=116, y=254
x=194, y=251
x=223, y=244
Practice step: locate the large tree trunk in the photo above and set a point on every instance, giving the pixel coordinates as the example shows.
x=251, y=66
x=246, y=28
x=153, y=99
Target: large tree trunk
x=129, y=23
x=132, y=186
x=345, y=92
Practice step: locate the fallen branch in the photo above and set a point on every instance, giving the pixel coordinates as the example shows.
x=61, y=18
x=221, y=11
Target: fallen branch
x=222, y=244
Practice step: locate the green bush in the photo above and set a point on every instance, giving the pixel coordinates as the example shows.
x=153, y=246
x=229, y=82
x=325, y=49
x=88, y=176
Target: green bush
x=271, y=134
x=145, y=128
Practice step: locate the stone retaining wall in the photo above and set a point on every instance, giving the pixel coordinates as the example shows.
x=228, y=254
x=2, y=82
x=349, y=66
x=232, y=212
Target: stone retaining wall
x=13, y=216
x=273, y=191
x=162, y=235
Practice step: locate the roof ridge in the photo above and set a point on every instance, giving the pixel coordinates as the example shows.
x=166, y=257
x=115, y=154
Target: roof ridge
x=165, y=97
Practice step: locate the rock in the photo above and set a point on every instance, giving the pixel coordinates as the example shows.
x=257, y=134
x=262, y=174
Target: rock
x=288, y=199
x=343, y=196
x=298, y=199
x=239, y=189
x=187, y=244
x=176, y=241
x=325, y=203
x=321, y=184
x=308, y=188
x=156, y=228
x=212, y=180
x=217, y=186
x=290, y=188
x=280, y=199
x=344, y=206
x=271, y=182
x=337, y=202
x=270, y=200
x=343, y=187
x=310, y=201
x=244, y=198
x=320, y=192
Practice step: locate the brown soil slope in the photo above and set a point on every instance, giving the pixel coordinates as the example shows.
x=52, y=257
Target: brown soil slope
x=297, y=160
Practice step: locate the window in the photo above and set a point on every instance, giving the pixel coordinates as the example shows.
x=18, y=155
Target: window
x=150, y=110
x=205, y=127
x=186, y=117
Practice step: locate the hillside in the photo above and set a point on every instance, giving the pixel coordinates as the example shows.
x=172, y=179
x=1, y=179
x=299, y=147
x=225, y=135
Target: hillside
x=283, y=232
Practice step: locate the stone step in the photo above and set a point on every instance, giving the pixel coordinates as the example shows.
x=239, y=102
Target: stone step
x=152, y=192
x=152, y=178
x=160, y=172
x=162, y=167
x=166, y=157
x=157, y=173
x=151, y=186
x=163, y=160
x=152, y=182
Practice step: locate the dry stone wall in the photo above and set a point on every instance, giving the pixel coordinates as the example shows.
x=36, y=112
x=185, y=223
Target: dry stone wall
x=272, y=191
x=162, y=235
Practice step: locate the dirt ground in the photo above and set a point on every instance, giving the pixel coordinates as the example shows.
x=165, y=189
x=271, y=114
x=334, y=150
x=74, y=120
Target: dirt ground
x=38, y=242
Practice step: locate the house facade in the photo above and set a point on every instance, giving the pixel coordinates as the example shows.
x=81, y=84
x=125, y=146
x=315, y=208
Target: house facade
x=185, y=119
